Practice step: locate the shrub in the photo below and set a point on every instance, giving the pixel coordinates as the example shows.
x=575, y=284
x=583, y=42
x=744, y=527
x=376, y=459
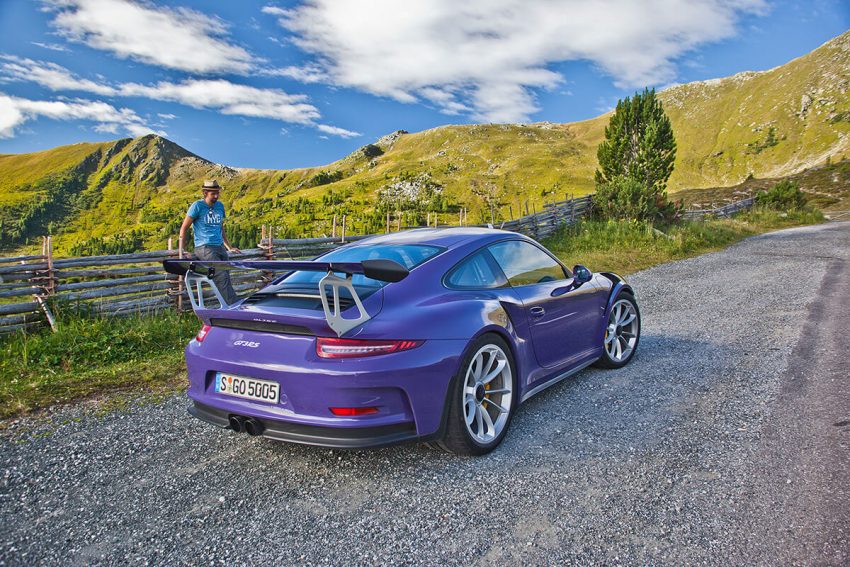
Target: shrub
x=371, y=151
x=324, y=178
x=785, y=195
x=628, y=198
x=759, y=146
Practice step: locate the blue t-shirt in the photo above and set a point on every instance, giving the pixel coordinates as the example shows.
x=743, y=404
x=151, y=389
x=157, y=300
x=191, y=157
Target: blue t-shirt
x=207, y=223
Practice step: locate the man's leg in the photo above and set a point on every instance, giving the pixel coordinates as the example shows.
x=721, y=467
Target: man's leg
x=221, y=277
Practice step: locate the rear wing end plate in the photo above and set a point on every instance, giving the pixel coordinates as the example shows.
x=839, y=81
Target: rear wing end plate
x=197, y=273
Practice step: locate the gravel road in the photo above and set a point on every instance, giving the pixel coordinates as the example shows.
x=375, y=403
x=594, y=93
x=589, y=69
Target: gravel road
x=726, y=441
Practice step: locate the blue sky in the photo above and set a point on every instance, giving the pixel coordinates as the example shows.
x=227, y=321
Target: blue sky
x=282, y=85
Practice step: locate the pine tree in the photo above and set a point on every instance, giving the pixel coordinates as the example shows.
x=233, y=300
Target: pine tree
x=638, y=152
x=639, y=143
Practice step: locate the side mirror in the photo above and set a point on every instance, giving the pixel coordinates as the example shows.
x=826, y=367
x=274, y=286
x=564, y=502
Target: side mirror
x=581, y=275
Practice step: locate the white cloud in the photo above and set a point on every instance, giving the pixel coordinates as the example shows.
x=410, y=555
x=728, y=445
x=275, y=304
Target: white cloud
x=230, y=98
x=487, y=57
x=15, y=111
x=305, y=74
x=167, y=116
x=51, y=46
x=275, y=11
x=213, y=94
x=177, y=38
x=50, y=75
x=334, y=131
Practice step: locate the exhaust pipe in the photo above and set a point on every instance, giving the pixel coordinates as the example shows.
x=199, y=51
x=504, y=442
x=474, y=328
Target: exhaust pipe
x=237, y=423
x=254, y=427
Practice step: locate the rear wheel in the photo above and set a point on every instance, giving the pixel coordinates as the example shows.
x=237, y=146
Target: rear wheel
x=622, y=333
x=483, y=400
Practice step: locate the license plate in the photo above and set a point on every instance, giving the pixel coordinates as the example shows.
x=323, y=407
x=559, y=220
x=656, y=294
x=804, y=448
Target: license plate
x=250, y=388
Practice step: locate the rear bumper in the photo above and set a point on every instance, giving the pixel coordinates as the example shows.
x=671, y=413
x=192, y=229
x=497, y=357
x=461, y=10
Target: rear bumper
x=408, y=389
x=334, y=437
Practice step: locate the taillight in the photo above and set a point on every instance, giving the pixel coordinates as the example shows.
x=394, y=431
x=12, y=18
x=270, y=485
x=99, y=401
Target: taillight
x=353, y=412
x=351, y=348
x=202, y=334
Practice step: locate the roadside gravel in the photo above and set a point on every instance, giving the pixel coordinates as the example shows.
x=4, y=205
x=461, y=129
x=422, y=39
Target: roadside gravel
x=721, y=443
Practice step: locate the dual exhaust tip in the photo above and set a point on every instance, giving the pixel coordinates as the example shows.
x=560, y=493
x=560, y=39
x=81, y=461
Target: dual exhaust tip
x=249, y=425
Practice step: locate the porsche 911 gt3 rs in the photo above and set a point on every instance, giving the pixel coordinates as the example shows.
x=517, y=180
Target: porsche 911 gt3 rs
x=424, y=335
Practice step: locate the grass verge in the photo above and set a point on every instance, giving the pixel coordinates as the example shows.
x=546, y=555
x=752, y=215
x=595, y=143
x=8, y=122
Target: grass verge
x=94, y=357
x=624, y=247
x=91, y=357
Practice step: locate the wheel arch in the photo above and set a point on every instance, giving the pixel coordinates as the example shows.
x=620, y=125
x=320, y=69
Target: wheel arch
x=618, y=286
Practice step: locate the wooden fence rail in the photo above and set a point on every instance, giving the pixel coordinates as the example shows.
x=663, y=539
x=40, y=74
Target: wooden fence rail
x=123, y=284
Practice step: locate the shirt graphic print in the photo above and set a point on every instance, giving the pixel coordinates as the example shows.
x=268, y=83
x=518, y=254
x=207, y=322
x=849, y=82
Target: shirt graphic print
x=207, y=223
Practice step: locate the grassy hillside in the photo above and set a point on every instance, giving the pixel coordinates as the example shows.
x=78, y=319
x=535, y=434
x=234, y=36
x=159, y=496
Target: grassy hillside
x=767, y=124
x=762, y=125
x=827, y=187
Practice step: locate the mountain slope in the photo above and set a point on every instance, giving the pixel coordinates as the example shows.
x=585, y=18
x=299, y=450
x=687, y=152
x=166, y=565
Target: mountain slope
x=766, y=124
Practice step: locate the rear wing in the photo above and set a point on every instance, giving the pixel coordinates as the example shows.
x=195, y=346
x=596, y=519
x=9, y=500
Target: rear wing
x=197, y=273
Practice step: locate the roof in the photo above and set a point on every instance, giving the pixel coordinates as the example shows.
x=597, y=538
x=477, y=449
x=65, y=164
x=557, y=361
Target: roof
x=448, y=237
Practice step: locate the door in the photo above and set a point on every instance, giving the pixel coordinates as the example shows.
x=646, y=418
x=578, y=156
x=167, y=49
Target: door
x=563, y=320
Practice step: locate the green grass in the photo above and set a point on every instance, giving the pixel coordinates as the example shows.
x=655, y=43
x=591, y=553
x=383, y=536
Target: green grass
x=100, y=357
x=624, y=247
x=91, y=357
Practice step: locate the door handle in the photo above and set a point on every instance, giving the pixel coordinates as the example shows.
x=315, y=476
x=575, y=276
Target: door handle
x=537, y=311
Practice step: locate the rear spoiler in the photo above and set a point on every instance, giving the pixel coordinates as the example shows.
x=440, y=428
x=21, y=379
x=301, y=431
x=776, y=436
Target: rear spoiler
x=197, y=272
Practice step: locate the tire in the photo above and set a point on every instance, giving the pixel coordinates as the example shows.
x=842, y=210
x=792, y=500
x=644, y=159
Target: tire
x=620, y=341
x=479, y=413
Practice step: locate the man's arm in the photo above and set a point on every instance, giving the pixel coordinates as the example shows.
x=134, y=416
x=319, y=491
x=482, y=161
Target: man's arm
x=227, y=244
x=187, y=222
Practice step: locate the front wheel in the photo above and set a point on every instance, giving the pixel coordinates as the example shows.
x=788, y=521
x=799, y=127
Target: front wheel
x=483, y=400
x=622, y=333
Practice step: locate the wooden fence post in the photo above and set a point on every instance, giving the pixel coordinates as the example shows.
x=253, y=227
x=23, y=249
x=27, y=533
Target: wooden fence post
x=51, y=274
x=171, y=248
x=333, y=231
x=343, y=229
x=572, y=210
x=179, y=278
x=45, y=280
x=534, y=220
x=270, y=247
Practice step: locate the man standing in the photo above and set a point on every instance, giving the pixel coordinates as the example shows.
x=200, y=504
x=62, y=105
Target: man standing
x=207, y=219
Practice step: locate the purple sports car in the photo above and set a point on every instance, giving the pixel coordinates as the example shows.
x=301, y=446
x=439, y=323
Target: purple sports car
x=426, y=335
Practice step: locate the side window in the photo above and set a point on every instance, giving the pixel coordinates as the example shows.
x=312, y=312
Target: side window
x=526, y=264
x=476, y=272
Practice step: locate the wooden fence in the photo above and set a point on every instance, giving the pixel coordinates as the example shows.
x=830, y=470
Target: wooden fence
x=123, y=284
x=720, y=212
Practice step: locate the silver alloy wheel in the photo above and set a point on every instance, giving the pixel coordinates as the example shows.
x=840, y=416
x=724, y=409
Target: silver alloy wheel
x=487, y=393
x=621, y=335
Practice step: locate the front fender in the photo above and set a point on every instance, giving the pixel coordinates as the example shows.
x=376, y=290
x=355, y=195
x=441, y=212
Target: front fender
x=618, y=286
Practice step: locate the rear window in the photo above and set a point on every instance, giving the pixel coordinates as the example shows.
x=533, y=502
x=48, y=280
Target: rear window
x=300, y=289
x=408, y=255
